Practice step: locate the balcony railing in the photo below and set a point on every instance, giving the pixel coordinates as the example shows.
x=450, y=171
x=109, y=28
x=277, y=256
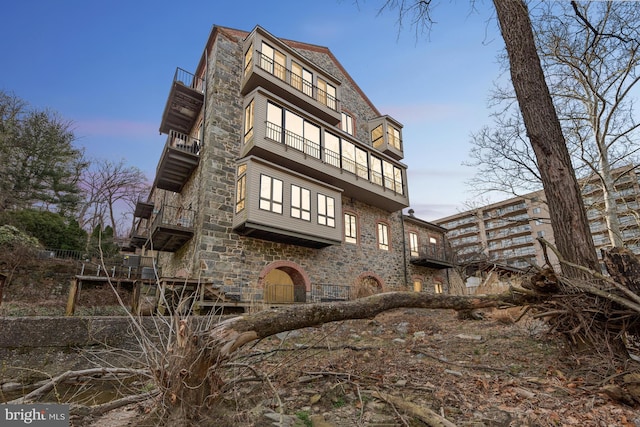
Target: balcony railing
x=185, y=101
x=330, y=157
x=295, y=81
x=171, y=228
x=179, y=159
x=434, y=256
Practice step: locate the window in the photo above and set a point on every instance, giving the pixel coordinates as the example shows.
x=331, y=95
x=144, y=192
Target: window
x=536, y=210
x=376, y=170
x=312, y=139
x=347, y=123
x=300, y=203
x=326, y=210
x=248, y=60
x=326, y=94
x=248, y=122
x=437, y=287
x=393, y=136
x=301, y=79
x=392, y=177
x=413, y=244
x=273, y=61
x=541, y=233
x=362, y=163
x=331, y=149
x=348, y=156
x=270, y=194
x=350, y=228
x=377, y=136
x=417, y=285
x=241, y=188
x=383, y=236
x=274, y=122
x=294, y=130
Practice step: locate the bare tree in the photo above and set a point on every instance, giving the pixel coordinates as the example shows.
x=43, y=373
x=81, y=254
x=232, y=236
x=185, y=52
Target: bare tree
x=108, y=187
x=590, y=55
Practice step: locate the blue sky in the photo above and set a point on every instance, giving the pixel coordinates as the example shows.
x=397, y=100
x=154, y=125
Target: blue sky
x=107, y=67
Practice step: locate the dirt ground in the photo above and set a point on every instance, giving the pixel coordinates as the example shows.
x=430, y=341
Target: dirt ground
x=388, y=370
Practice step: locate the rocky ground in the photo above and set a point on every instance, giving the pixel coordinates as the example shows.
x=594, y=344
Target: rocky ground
x=406, y=366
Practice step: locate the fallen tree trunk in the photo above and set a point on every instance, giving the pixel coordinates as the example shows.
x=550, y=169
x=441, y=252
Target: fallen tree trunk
x=191, y=381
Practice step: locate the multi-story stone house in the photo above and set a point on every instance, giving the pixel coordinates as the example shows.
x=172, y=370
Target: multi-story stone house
x=506, y=231
x=281, y=181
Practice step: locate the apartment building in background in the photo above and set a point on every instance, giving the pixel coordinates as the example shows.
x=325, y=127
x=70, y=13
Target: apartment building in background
x=505, y=232
x=280, y=181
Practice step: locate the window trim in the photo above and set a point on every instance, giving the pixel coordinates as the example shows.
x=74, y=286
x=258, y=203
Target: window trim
x=352, y=237
x=270, y=199
x=323, y=213
x=383, y=239
x=299, y=204
x=414, y=246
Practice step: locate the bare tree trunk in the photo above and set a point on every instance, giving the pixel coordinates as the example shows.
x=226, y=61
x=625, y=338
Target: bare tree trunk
x=568, y=217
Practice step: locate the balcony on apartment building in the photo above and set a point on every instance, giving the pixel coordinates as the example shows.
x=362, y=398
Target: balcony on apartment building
x=434, y=256
x=275, y=204
x=330, y=156
x=268, y=63
x=169, y=228
x=179, y=159
x=140, y=232
x=185, y=101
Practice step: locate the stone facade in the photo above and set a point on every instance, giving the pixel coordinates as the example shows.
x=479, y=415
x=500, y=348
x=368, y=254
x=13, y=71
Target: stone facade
x=219, y=255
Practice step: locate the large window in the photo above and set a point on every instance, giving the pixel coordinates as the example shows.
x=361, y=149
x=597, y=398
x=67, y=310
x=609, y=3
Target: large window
x=393, y=136
x=241, y=188
x=300, y=203
x=413, y=244
x=326, y=94
x=270, y=194
x=273, y=61
x=326, y=210
x=301, y=79
x=350, y=228
x=274, y=122
x=331, y=149
x=298, y=132
x=383, y=236
x=248, y=121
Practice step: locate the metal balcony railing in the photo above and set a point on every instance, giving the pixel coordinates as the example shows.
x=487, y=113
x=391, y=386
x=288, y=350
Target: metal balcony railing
x=295, y=81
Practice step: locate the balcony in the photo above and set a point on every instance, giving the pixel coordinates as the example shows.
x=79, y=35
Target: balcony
x=434, y=256
x=185, y=101
x=261, y=71
x=171, y=228
x=143, y=209
x=179, y=159
x=140, y=233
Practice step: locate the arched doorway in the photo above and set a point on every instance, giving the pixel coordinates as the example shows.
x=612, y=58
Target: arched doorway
x=367, y=284
x=284, y=282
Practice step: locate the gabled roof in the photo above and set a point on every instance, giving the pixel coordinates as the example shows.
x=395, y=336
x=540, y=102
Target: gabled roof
x=232, y=33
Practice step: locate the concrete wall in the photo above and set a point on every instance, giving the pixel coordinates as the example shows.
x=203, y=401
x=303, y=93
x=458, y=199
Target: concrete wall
x=35, y=347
